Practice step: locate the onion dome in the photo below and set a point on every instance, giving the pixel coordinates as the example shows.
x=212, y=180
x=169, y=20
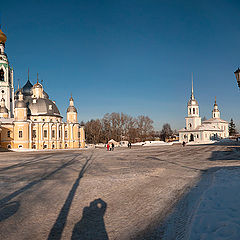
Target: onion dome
x=37, y=85
x=43, y=107
x=3, y=108
x=71, y=107
x=20, y=102
x=27, y=89
x=3, y=37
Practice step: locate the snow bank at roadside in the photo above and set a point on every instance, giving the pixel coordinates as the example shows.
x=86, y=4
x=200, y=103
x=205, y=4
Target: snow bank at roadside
x=152, y=143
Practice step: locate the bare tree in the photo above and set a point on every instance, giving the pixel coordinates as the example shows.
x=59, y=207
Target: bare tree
x=166, y=131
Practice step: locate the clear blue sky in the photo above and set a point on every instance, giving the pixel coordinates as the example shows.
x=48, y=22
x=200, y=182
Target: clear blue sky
x=131, y=56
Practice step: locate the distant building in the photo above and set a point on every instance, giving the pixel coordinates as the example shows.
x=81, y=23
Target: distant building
x=29, y=119
x=198, y=131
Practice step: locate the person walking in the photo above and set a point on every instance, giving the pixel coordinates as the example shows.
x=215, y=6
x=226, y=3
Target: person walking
x=108, y=147
x=112, y=146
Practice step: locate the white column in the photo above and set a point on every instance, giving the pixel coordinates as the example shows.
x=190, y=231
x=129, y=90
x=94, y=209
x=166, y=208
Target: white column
x=30, y=135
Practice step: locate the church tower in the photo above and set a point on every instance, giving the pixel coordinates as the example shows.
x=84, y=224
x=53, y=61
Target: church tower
x=71, y=112
x=215, y=111
x=6, y=77
x=193, y=119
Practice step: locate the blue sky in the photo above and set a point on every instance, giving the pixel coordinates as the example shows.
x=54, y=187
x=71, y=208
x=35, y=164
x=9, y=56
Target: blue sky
x=133, y=56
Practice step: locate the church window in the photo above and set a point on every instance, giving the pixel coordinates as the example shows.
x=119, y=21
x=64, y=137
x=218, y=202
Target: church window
x=2, y=91
x=45, y=133
x=34, y=146
x=53, y=133
x=20, y=134
x=66, y=145
x=189, y=110
x=190, y=125
x=34, y=134
x=9, y=134
x=9, y=146
x=66, y=134
x=79, y=134
x=45, y=146
x=193, y=110
x=59, y=133
x=53, y=146
x=20, y=146
x=1, y=75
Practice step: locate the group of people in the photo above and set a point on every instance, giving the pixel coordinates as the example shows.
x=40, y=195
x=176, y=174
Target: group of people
x=110, y=147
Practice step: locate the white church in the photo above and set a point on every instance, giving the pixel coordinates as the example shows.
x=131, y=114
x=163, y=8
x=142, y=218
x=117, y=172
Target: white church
x=213, y=129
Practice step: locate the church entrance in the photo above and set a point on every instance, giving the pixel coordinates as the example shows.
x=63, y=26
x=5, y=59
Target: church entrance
x=191, y=138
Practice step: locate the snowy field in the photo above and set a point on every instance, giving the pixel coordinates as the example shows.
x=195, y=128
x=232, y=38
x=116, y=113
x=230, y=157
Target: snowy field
x=211, y=210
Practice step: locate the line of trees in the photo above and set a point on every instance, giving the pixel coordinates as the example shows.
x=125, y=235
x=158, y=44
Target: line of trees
x=120, y=127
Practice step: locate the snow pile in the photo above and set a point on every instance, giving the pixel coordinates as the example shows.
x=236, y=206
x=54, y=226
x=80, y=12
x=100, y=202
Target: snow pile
x=152, y=143
x=218, y=213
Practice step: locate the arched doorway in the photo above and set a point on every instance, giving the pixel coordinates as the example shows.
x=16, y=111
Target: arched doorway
x=191, y=138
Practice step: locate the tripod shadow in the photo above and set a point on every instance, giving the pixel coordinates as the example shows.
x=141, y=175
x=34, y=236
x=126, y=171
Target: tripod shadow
x=91, y=226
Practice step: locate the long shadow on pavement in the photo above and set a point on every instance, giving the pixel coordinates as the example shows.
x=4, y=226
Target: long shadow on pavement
x=5, y=200
x=58, y=227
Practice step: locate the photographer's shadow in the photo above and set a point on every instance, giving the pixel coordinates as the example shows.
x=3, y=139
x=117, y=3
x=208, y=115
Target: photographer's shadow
x=91, y=226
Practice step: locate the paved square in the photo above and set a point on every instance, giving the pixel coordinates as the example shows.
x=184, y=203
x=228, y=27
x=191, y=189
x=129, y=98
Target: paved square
x=94, y=194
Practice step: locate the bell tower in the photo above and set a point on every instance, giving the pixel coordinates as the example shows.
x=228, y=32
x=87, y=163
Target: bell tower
x=6, y=77
x=215, y=111
x=193, y=119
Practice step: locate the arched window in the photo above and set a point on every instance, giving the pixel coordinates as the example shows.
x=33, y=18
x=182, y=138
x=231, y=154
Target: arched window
x=193, y=110
x=189, y=110
x=1, y=75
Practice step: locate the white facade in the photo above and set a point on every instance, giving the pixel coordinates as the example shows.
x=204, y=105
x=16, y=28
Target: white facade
x=6, y=81
x=198, y=131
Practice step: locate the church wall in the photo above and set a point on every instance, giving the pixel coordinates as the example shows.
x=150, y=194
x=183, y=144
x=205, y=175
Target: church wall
x=6, y=141
x=21, y=140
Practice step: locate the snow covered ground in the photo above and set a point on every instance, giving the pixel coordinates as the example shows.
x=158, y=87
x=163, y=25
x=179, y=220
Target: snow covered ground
x=152, y=143
x=211, y=210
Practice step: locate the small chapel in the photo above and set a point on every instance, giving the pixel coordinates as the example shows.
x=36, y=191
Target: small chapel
x=197, y=130
x=29, y=119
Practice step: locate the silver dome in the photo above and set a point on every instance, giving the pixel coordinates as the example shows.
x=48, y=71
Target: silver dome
x=3, y=110
x=71, y=109
x=20, y=104
x=43, y=106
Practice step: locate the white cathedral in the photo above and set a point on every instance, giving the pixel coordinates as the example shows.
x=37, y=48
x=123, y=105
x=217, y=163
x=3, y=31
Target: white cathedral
x=213, y=129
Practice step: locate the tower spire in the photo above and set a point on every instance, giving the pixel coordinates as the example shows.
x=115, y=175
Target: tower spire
x=192, y=96
x=28, y=74
x=37, y=77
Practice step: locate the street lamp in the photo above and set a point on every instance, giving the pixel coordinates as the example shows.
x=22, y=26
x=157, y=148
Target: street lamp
x=237, y=74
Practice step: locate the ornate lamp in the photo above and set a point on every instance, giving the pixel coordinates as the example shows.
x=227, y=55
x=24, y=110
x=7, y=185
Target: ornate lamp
x=237, y=74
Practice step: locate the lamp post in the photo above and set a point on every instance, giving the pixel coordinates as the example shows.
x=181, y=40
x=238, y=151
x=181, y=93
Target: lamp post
x=237, y=74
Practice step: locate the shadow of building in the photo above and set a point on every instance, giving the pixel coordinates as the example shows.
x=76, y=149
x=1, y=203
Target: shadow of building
x=91, y=226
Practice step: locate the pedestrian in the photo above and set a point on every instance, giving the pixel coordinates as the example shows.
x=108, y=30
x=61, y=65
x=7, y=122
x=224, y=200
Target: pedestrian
x=108, y=147
x=183, y=143
x=112, y=146
x=130, y=145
